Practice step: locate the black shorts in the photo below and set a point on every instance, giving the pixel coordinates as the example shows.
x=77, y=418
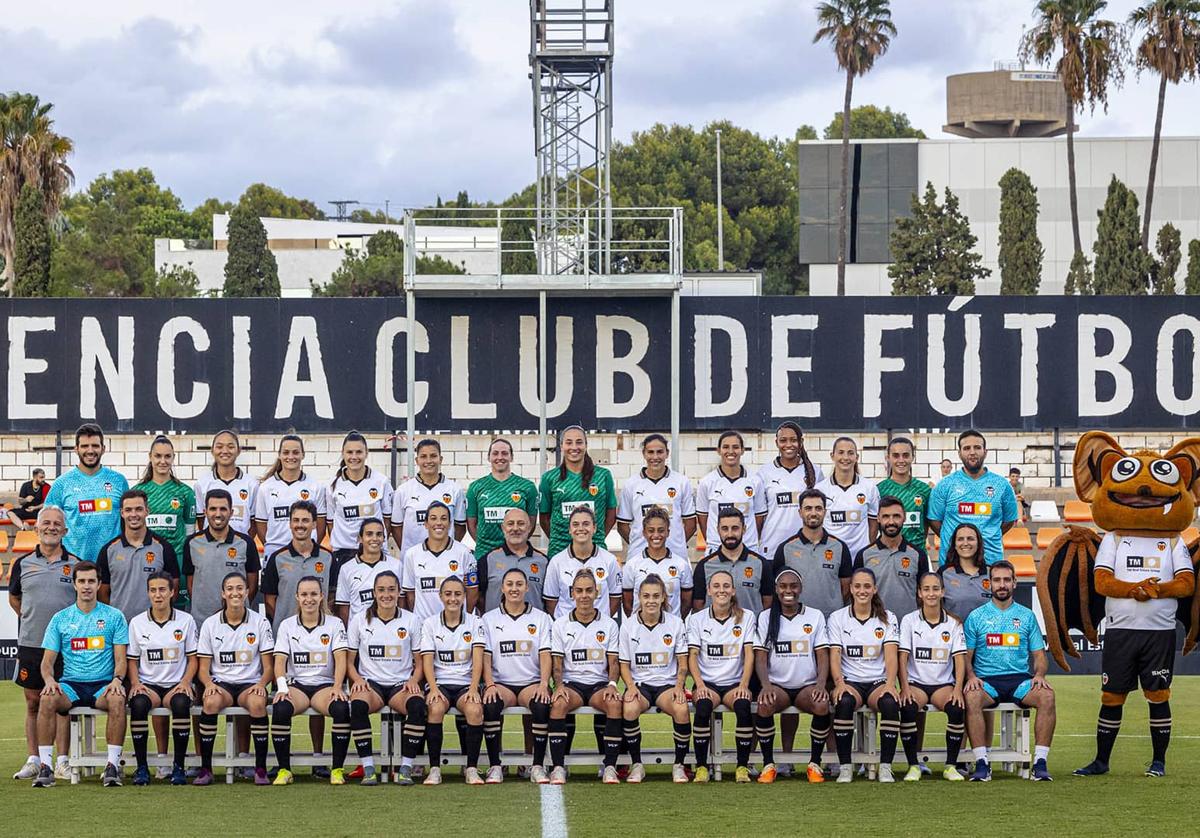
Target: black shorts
x=453, y=692
x=384, y=692
x=516, y=690
x=929, y=689
x=234, y=690
x=1133, y=656
x=651, y=693
x=864, y=688
x=586, y=691
x=310, y=691
x=29, y=667
x=722, y=689
x=159, y=691
x=792, y=693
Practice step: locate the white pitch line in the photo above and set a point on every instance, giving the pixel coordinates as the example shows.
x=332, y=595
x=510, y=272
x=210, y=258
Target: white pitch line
x=554, y=814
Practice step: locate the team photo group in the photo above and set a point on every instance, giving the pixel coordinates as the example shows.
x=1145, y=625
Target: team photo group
x=283, y=592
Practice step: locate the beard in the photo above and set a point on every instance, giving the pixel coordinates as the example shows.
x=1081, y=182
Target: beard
x=891, y=530
x=731, y=543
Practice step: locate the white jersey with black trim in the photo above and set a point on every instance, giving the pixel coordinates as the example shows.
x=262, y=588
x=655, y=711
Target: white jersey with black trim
x=931, y=648
x=162, y=650
x=384, y=649
x=243, y=489
x=356, y=582
x=672, y=493
x=1135, y=559
x=236, y=650
x=273, y=503
x=792, y=655
x=450, y=647
x=412, y=500
x=425, y=570
x=585, y=647
x=720, y=645
x=675, y=571
x=861, y=643
x=515, y=644
x=717, y=492
x=781, y=488
x=560, y=573
x=848, y=510
x=350, y=503
x=651, y=651
x=310, y=650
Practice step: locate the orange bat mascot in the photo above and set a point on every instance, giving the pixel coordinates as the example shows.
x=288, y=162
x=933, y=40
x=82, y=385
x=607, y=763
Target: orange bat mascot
x=1139, y=576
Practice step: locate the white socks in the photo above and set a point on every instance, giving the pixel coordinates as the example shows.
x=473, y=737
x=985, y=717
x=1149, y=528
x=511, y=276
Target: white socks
x=981, y=754
x=114, y=755
x=45, y=754
x=1041, y=752
x=406, y=762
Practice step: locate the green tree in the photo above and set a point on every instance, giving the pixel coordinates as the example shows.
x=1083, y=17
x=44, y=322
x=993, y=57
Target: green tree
x=1170, y=46
x=1121, y=267
x=1020, y=248
x=1192, y=283
x=31, y=254
x=933, y=250
x=268, y=202
x=250, y=269
x=1169, y=245
x=378, y=269
x=860, y=31
x=171, y=281
x=1091, y=58
x=867, y=122
x=201, y=218
x=1079, y=278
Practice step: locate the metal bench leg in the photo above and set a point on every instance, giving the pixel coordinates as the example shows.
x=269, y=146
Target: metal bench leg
x=74, y=738
x=230, y=748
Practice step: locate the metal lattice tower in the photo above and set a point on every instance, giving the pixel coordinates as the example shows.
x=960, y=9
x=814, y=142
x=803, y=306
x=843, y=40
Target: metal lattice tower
x=571, y=53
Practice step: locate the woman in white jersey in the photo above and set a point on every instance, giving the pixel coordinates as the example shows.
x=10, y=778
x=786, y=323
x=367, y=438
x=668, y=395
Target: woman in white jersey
x=583, y=652
x=582, y=553
x=674, y=569
x=414, y=496
x=851, y=501
x=657, y=485
x=933, y=670
x=863, y=641
x=433, y=559
x=516, y=670
x=226, y=474
x=653, y=654
x=781, y=481
x=356, y=493
x=791, y=656
x=356, y=579
x=452, y=644
x=310, y=671
x=385, y=671
x=283, y=484
x=730, y=485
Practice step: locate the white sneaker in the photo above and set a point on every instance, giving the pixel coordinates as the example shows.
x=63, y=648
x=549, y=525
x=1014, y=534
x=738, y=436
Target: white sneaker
x=610, y=777
x=523, y=772
x=537, y=774
x=434, y=777
x=162, y=772
x=885, y=774
x=637, y=773
x=495, y=775
x=62, y=769
x=471, y=777
x=558, y=776
x=845, y=774
x=29, y=770
x=678, y=774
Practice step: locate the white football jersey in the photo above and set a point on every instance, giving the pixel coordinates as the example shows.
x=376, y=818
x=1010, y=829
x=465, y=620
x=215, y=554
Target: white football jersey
x=412, y=500
x=717, y=492
x=672, y=493
x=515, y=644
x=675, y=570
x=931, y=649
x=848, y=511
x=560, y=573
x=792, y=655
x=162, y=650
x=236, y=651
x=356, y=582
x=243, y=489
x=449, y=647
x=585, y=647
x=310, y=651
x=425, y=570
x=651, y=651
x=350, y=503
x=781, y=489
x=720, y=645
x=1136, y=559
x=861, y=643
x=273, y=503
x=384, y=650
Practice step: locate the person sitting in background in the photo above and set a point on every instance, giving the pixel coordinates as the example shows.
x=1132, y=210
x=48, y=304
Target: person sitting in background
x=1014, y=480
x=32, y=496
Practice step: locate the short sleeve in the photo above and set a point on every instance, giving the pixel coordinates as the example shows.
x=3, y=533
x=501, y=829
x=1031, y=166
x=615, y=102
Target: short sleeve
x=253, y=562
x=408, y=573
x=1181, y=560
x=190, y=639
x=267, y=643
x=191, y=504
x=767, y=588
x=936, y=510
x=699, y=588
x=188, y=569
x=687, y=500
x=135, y=648
x=427, y=642
x=270, y=578
x=459, y=504
x=557, y=641
x=283, y=645
x=758, y=503
x=342, y=597
x=610, y=491
x=320, y=501
x=627, y=574
x=846, y=566
x=832, y=634
x=1036, y=642
x=969, y=639
x=906, y=627
x=552, y=586
x=624, y=653
x=693, y=630
x=531, y=502
x=625, y=505
x=472, y=503
x=858, y=560
x=923, y=566
x=1008, y=502
x=616, y=582
x=872, y=501
x=120, y=635
x=545, y=633
x=54, y=496
x=260, y=506
x=760, y=634
x=702, y=497
x=204, y=642
x=470, y=570
x=751, y=630
x=102, y=569
x=544, y=489
x=685, y=576
x=893, y=629
x=386, y=500
x=14, y=581
x=820, y=634
x=51, y=639
x=612, y=643
x=170, y=560
x=958, y=642
x=1106, y=554
x=340, y=639
x=681, y=641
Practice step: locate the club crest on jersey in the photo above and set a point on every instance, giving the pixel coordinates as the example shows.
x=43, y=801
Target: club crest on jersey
x=600, y=636
x=516, y=497
x=177, y=634
x=251, y=637
x=667, y=639
x=987, y=584
x=749, y=490
x=231, y=552
x=749, y=572
x=671, y=571
x=531, y=628
x=100, y=625
x=304, y=494
x=150, y=557
x=599, y=573
x=593, y=490
x=467, y=636
x=175, y=504
x=108, y=487
x=737, y=631
x=533, y=568
x=808, y=629
x=1016, y=622
x=860, y=497
x=671, y=492
x=453, y=565
x=320, y=567
x=918, y=501
x=828, y=555
x=905, y=562
x=945, y=637
x=402, y=632
x=324, y=639
x=1162, y=545
x=374, y=493
x=879, y=634
x=243, y=494
x=66, y=571
x=990, y=491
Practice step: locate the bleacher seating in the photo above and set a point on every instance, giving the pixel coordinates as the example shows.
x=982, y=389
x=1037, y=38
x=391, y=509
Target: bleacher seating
x=1077, y=512
x=1017, y=539
x=1024, y=565
x=1044, y=512
x=1045, y=535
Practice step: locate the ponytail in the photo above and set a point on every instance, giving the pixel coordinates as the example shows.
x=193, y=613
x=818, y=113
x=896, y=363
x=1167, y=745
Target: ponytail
x=353, y=436
x=589, y=467
x=810, y=472
x=277, y=466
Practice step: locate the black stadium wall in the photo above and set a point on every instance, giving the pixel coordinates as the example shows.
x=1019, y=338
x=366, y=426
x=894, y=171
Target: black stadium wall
x=1022, y=363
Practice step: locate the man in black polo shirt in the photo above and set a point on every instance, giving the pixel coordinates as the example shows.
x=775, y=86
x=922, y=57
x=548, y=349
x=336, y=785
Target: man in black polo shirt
x=751, y=572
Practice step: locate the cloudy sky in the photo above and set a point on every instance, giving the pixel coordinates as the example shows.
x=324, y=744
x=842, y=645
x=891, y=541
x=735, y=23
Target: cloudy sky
x=406, y=99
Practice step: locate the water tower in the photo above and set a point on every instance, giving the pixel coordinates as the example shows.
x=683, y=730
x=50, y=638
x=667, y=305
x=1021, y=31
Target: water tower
x=1008, y=101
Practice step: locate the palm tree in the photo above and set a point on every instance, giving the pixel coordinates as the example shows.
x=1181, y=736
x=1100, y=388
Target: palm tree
x=1093, y=49
x=1170, y=46
x=30, y=152
x=859, y=31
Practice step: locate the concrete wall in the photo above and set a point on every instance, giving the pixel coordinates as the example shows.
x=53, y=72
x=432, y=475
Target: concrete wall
x=465, y=455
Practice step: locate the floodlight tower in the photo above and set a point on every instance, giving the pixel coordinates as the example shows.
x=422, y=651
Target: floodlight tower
x=570, y=55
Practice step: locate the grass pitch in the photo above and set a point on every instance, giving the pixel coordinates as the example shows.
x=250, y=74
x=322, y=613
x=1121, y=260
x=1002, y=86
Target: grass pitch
x=1124, y=802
